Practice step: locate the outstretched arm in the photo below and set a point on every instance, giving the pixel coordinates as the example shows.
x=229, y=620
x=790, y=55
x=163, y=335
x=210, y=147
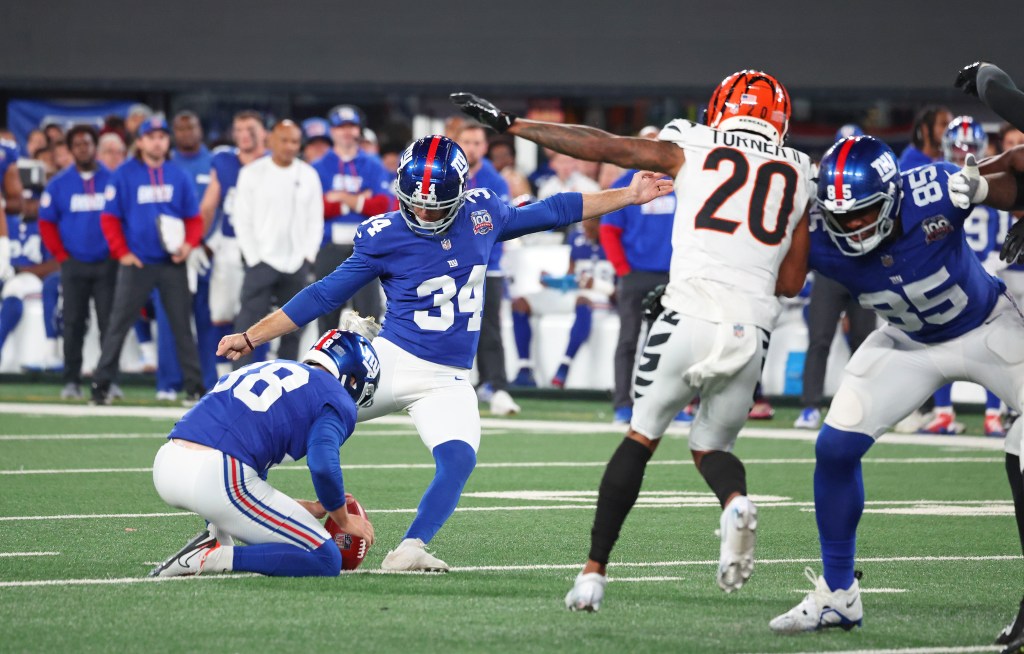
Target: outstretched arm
x=577, y=141
x=995, y=88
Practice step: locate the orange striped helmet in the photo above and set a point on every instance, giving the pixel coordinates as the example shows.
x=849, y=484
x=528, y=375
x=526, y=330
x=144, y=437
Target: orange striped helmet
x=753, y=101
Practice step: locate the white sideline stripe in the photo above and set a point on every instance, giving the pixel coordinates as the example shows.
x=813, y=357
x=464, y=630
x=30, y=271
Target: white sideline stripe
x=163, y=434
x=5, y=554
x=549, y=426
x=677, y=564
x=915, y=650
x=863, y=590
x=120, y=580
x=515, y=464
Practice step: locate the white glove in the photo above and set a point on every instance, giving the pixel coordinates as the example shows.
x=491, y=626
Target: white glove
x=367, y=327
x=967, y=186
x=198, y=261
x=6, y=270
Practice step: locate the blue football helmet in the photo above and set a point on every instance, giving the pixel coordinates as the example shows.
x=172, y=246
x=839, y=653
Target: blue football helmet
x=349, y=357
x=848, y=130
x=431, y=175
x=964, y=136
x=855, y=174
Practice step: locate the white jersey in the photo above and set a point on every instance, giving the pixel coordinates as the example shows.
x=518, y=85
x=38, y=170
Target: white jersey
x=739, y=199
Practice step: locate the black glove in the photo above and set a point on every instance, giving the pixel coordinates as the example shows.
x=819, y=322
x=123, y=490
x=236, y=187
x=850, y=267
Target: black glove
x=483, y=111
x=651, y=305
x=1013, y=246
x=967, y=78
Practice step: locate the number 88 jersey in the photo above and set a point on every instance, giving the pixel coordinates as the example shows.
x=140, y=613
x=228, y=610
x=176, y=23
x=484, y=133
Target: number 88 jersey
x=740, y=197
x=925, y=280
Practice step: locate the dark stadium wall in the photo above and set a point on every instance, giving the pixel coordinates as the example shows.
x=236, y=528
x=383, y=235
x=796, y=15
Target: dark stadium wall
x=541, y=45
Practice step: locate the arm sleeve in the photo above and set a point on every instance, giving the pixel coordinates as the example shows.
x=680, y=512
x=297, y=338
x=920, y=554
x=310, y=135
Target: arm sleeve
x=114, y=233
x=559, y=210
x=611, y=241
x=325, y=438
x=380, y=203
x=50, y=234
x=332, y=291
x=194, y=230
x=331, y=209
x=997, y=90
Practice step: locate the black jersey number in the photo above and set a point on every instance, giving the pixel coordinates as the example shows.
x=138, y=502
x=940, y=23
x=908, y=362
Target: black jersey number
x=706, y=218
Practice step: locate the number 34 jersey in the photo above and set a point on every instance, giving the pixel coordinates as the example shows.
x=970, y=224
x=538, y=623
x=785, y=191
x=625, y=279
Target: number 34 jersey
x=927, y=282
x=740, y=199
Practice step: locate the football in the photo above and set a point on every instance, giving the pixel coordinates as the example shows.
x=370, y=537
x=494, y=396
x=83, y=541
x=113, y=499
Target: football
x=353, y=549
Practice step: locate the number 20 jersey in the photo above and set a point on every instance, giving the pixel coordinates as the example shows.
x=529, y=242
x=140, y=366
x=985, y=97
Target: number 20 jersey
x=740, y=198
x=927, y=282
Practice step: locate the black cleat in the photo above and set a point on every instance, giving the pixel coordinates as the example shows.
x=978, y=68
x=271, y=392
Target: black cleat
x=188, y=560
x=1013, y=631
x=100, y=394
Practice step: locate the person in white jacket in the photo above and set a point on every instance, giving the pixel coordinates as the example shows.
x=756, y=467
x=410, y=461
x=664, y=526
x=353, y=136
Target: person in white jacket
x=279, y=222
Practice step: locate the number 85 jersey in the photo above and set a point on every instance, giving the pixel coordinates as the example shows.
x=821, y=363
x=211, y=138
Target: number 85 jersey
x=928, y=281
x=740, y=199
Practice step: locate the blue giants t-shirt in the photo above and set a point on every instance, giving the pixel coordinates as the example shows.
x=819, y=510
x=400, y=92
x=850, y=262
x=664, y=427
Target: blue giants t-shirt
x=927, y=282
x=139, y=195
x=197, y=166
x=434, y=286
x=262, y=414
x=363, y=173
x=74, y=203
x=646, y=229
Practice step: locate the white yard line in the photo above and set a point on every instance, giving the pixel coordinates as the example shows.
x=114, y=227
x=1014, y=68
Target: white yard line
x=515, y=464
x=547, y=426
x=7, y=554
x=94, y=516
x=915, y=650
x=526, y=568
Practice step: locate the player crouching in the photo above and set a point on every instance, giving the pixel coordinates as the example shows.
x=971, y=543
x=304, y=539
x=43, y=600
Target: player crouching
x=218, y=456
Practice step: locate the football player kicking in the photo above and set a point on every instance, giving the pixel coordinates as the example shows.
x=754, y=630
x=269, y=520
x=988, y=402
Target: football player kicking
x=897, y=242
x=743, y=201
x=219, y=453
x=431, y=257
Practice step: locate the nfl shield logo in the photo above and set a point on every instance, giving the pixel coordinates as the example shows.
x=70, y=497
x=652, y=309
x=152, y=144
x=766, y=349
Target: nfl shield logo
x=738, y=330
x=446, y=244
x=481, y=222
x=887, y=261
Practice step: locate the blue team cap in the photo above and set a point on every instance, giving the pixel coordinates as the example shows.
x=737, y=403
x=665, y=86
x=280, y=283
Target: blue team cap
x=345, y=114
x=316, y=128
x=153, y=124
x=848, y=130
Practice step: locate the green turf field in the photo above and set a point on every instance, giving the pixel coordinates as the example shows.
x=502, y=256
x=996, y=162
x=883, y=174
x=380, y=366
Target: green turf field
x=938, y=544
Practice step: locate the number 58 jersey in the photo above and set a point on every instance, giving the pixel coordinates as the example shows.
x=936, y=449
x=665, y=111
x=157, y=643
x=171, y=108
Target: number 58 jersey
x=740, y=198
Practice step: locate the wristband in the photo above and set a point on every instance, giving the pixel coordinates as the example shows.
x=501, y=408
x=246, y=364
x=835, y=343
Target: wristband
x=248, y=342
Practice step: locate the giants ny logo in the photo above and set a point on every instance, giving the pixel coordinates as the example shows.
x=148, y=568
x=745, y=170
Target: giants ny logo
x=885, y=166
x=481, y=222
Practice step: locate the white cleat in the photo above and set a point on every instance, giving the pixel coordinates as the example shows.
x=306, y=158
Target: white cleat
x=411, y=555
x=190, y=559
x=822, y=608
x=738, y=529
x=502, y=404
x=587, y=593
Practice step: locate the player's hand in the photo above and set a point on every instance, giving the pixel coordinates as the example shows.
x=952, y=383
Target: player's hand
x=130, y=260
x=355, y=525
x=483, y=111
x=182, y=252
x=967, y=186
x=1013, y=246
x=315, y=508
x=233, y=347
x=647, y=185
x=199, y=261
x=967, y=78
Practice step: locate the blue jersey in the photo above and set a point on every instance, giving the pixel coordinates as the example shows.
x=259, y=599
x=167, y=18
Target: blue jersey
x=8, y=158
x=227, y=164
x=74, y=203
x=982, y=230
x=489, y=177
x=138, y=195
x=266, y=413
x=646, y=230
x=434, y=286
x=911, y=157
x=588, y=258
x=927, y=281
x=26, y=244
x=197, y=166
x=363, y=173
